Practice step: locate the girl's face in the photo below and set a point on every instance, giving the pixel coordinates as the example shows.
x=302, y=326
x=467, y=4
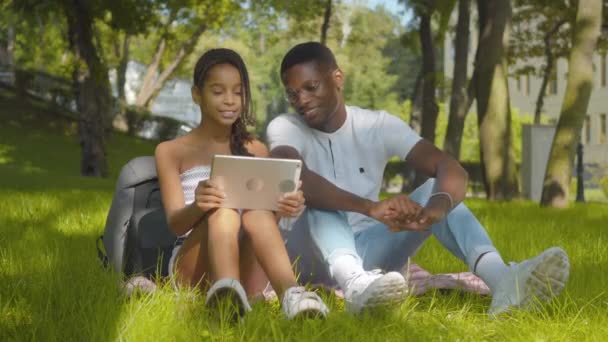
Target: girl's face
x=220, y=97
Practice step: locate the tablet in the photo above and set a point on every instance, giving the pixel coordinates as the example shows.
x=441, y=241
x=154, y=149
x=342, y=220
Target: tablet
x=254, y=183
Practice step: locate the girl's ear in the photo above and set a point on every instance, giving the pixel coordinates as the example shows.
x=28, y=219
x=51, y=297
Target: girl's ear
x=196, y=95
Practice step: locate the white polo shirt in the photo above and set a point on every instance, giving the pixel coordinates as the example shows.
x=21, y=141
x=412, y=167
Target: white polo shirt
x=354, y=156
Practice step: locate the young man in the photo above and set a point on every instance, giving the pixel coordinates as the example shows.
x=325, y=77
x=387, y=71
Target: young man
x=346, y=235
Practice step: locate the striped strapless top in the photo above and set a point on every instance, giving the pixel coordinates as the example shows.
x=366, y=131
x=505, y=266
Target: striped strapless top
x=190, y=179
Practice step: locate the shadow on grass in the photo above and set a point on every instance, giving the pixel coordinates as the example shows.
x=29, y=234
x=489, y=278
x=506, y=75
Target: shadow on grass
x=52, y=286
x=39, y=145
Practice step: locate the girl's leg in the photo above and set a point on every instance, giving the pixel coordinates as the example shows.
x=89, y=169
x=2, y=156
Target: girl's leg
x=267, y=244
x=223, y=244
x=191, y=266
x=196, y=259
x=253, y=277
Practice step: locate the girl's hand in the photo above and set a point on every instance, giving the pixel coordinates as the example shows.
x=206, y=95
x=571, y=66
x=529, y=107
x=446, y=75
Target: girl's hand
x=208, y=195
x=291, y=204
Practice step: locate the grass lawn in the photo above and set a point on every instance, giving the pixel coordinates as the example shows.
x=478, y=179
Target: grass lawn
x=53, y=288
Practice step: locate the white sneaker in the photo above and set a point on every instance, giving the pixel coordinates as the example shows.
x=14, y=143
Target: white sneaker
x=228, y=288
x=542, y=277
x=297, y=302
x=372, y=289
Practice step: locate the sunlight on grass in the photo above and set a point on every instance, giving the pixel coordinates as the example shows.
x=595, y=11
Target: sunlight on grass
x=52, y=286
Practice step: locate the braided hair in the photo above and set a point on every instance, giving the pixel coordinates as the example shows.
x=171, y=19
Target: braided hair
x=239, y=135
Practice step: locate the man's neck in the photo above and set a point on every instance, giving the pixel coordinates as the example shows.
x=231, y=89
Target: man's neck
x=337, y=120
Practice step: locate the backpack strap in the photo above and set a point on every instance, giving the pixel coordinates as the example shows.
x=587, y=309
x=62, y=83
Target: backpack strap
x=137, y=171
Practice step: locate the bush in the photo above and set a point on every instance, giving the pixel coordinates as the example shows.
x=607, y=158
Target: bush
x=142, y=123
x=167, y=127
x=136, y=118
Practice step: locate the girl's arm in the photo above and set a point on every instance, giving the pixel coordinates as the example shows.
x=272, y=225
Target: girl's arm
x=180, y=217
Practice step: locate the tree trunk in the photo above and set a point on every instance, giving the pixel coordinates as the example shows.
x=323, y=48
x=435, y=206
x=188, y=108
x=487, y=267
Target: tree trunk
x=549, y=63
x=459, y=98
x=492, y=93
x=409, y=175
x=121, y=70
x=93, y=97
x=152, y=84
x=574, y=108
x=416, y=111
x=150, y=77
x=7, y=50
x=326, y=19
x=430, y=110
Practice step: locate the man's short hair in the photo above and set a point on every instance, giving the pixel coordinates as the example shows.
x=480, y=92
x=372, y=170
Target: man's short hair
x=309, y=52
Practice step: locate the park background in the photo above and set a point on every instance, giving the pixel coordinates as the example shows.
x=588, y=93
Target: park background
x=88, y=85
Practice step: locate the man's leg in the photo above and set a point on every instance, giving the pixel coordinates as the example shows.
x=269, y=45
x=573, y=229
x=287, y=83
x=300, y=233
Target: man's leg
x=462, y=234
x=309, y=255
x=332, y=240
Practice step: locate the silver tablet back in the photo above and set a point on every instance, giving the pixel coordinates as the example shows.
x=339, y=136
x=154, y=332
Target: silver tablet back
x=254, y=183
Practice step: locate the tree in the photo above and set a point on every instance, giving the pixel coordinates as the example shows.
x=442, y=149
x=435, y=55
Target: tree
x=326, y=20
x=541, y=30
x=428, y=13
x=93, y=96
x=492, y=94
x=462, y=97
x=574, y=107
x=411, y=42
x=430, y=110
x=182, y=22
x=364, y=61
x=90, y=73
x=7, y=38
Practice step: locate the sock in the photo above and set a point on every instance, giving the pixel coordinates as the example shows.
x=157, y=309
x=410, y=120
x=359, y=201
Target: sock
x=344, y=267
x=491, y=268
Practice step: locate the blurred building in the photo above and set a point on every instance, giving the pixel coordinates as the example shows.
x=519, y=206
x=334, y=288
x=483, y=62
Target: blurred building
x=523, y=92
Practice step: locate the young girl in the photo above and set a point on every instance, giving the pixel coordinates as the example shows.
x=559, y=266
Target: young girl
x=211, y=248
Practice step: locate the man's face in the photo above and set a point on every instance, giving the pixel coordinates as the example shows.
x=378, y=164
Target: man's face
x=313, y=92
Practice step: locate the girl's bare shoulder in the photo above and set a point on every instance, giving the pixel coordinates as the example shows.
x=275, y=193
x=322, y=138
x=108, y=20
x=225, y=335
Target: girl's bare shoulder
x=175, y=150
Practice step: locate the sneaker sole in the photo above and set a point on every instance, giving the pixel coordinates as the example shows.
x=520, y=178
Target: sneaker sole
x=548, y=278
x=227, y=296
x=227, y=303
x=376, y=295
x=309, y=314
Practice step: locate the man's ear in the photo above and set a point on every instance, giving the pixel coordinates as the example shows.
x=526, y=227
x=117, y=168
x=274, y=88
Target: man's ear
x=196, y=95
x=339, y=79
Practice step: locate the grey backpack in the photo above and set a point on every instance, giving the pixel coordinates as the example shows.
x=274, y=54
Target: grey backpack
x=137, y=239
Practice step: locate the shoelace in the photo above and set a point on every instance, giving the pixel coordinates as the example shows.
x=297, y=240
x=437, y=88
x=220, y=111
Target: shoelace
x=364, y=274
x=300, y=293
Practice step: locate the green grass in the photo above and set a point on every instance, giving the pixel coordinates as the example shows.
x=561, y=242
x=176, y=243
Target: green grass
x=53, y=288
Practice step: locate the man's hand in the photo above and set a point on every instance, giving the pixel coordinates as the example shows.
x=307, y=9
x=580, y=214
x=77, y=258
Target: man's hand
x=396, y=212
x=401, y=213
x=401, y=208
x=426, y=218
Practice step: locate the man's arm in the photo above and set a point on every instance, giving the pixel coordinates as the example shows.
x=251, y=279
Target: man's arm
x=450, y=187
x=450, y=176
x=321, y=193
